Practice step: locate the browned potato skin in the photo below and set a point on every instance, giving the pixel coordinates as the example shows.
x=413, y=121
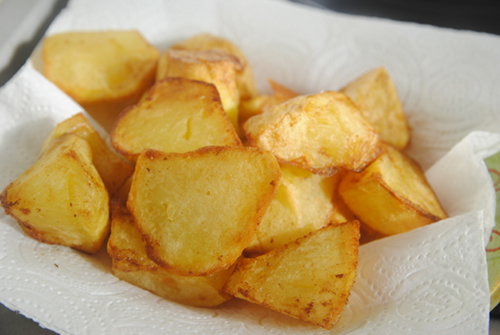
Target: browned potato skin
x=61, y=199
x=104, y=71
x=376, y=96
x=309, y=279
x=246, y=84
x=198, y=210
x=392, y=195
x=113, y=169
x=153, y=123
x=132, y=264
x=320, y=132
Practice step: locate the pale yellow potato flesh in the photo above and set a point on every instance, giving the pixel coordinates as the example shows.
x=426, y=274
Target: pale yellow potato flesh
x=61, y=199
x=179, y=115
x=104, y=71
x=113, y=169
x=198, y=210
x=132, y=264
x=319, y=132
x=377, y=98
x=309, y=279
x=392, y=195
x=246, y=83
x=304, y=202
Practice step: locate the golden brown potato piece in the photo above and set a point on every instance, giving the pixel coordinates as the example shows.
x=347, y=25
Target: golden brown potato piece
x=198, y=210
x=319, y=132
x=61, y=199
x=132, y=264
x=179, y=115
x=309, y=279
x=391, y=195
x=246, y=83
x=113, y=169
x=210, y=66
x=376, y=96
x=104, y=71
x=303, y=203
x=259, y=104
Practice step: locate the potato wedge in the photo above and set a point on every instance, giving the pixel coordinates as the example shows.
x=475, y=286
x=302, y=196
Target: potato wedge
x=376, y=97
x=113, y=169
x=198, y=210
x=210, y=66
x=104, y=71
x=61, y=199
x=180, y=115
x=391, y=195
x=304, y=202
x=246, y=83
x=309, y=279
x=132, y=264
x=319, y=132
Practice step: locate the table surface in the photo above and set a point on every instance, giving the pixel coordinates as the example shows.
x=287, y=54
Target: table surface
x=17, y=43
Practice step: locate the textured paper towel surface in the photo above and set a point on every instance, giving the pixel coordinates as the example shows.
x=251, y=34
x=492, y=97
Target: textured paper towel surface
x=432, y=280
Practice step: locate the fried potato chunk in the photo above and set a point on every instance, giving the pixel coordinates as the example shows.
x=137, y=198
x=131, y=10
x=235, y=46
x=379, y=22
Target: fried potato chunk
x=113, y=169
x=132, y=264
x=309, y=279
x=259, y=104
x=104, y=71
x=61, y=199
x=198, y=210
x=319, y=132
x=180, y=115
x=246, y=83
x=304, y=202
x=392, y=195
x=376, y=96
x=210, y=66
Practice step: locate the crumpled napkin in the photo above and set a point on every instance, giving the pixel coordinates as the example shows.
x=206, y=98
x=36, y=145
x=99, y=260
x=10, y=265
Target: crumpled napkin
x=432, y=280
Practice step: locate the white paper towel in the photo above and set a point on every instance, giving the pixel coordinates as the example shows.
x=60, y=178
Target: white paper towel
x=432, y=280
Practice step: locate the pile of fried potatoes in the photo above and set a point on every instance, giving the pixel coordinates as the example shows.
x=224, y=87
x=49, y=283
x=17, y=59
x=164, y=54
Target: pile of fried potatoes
x=212, y=190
